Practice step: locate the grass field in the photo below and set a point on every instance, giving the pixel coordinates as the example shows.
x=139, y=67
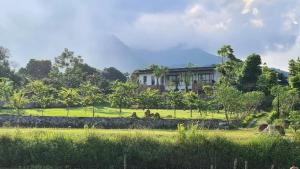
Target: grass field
x=239, y=135
x=113, y=112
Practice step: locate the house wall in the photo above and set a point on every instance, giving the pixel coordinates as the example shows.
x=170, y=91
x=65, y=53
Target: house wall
x=169, y=85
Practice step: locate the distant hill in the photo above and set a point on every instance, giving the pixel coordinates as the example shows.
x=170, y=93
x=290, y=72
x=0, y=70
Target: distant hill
x=113, y=52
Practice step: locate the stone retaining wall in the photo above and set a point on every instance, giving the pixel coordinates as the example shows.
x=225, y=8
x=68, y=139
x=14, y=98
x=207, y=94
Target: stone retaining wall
x=106, y=123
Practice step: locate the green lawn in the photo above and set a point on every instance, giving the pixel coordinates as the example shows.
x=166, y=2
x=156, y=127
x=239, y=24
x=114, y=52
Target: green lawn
x=240, y=135
x=113, y=112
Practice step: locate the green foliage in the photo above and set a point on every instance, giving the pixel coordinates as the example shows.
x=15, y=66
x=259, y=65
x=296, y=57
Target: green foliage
x=267, y=80
x=294, y=73
x=158, y=71
x=229, y=98
x=294, y=120
x=18, y=100
x=37, y=69
x=252, y=100
x=174, y=99
x=90, y=95
x=250, y=73
x=122, y=95
x=190, y=99
x=41, y=94
x=113, y=74
x=285, y=99
x=273, y=116
x=6, y=89
x=149, y=98
x=190, y=150
x=69, y=97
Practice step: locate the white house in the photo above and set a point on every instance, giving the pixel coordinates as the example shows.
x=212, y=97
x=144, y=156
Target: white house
x=179, y=78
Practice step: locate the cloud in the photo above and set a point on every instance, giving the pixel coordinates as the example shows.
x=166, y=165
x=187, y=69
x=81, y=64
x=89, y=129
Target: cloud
x=41, y=29
x=258, y=23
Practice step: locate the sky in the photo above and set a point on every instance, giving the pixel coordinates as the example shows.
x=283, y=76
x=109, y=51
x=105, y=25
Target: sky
x=41, y=29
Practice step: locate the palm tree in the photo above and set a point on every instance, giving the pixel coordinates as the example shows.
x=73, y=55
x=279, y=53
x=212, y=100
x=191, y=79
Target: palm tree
x=226, y=52
x=158, y=71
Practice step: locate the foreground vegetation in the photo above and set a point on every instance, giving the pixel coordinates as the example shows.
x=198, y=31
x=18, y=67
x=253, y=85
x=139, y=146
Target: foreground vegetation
x=90, y=148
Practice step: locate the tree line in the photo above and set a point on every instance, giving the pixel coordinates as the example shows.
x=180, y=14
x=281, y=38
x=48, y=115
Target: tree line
x=245, y=87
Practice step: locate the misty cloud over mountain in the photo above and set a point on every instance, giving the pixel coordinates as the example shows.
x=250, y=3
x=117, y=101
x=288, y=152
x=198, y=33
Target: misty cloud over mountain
x=112, y=51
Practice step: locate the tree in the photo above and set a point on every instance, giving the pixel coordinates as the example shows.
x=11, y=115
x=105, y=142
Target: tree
x=38, y=69
x=252, y=100
x=113, y=74
x=285, y=99
x=229, y=98
x=122, y=95
x=175, y=100
x=190, y=100
x=41, y=94
x=158, y=71
x=294, y=119
x=90, y=95
x=18, y=100
x=267, y=80
x=4, y=56
x=149, y=98
x=250, y=73
x=226, y=52
x=68, y=97
x=6, y=89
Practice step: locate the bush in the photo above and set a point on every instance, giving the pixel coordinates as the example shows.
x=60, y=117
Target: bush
x=191, y=150
x=272, y=116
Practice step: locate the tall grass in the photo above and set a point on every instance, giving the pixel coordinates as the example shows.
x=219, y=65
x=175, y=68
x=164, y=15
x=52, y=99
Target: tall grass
x=190, y=149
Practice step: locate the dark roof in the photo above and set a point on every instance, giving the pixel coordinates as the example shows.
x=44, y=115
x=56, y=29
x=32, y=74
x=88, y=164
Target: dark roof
x=175, y=70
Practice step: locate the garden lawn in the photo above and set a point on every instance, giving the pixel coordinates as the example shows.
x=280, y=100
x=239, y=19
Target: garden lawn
x=114, y=112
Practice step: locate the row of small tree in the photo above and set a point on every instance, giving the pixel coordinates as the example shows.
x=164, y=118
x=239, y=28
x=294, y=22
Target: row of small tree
x=127, y=94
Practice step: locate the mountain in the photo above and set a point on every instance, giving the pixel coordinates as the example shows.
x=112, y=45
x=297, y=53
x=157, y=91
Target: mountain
x=111, y=51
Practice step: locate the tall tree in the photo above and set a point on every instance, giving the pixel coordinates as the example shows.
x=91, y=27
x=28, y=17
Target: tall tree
x=267, y=80
x=158, y=71
x=294, y=73
x=226, y=52
x=230, y=69
x=113, y=74
x=284, y=100
x=250, y=73
x=38, y=69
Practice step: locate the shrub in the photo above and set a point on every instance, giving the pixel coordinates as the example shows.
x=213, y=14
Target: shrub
x=192, y=149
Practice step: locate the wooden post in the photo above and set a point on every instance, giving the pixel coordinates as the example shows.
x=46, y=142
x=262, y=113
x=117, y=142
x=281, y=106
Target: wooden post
x=235, y=164
x=246, y=164
x=125, y=162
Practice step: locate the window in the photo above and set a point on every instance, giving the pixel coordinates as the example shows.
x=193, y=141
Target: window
x=145, y=79
x=152, y=80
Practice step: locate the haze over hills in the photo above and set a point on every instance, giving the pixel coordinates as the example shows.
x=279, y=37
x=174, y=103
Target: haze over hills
x=127, y=59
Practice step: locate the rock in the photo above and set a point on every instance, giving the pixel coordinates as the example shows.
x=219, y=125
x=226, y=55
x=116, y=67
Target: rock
x=134, y=116
x=262, y=127
x=108, y=123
